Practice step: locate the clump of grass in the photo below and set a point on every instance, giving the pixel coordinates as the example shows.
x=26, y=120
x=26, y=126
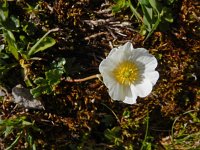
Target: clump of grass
x=18, y=129
x=151, y=14
x=187, y=135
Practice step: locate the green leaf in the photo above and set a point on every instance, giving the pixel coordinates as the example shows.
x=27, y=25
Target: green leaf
x=40, y=80
x=36, y=92
x=166, y=14
x=26, y=123
x=34, y=146
x=43, y=43
x=120, y=4
x=134, y=11
x=15, y=21
x=169, y=18
x=148, y=17
x=144, y=2
x=53, y=76
x=14, y=142
x=60, y=64
x=3, y=11
x=40, y=89
x=46, y=86
x=154, y=4
x=3, y=55
x=116, y=8
x=9, y=129
x=170, y=1
x=12, y=23
x=153, y=28
x=149, y=13
x=29, y=28
x=6, y=21
x=113, y=133
x=30, y=139
x=12, y=46
x=147, y=24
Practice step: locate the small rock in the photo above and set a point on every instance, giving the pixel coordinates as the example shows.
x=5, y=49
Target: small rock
x=2, y=93
x=23, y=97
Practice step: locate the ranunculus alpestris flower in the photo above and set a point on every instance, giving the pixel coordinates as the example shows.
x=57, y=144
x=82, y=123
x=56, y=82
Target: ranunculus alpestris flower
x=128, y=73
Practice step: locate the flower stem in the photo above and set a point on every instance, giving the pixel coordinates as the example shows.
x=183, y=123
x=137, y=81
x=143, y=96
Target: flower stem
x=84, y=79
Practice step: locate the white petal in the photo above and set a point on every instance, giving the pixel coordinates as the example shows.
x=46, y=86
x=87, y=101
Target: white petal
x=149, y=61
x=122, y=53
x=112, y=51
x=115, y=90
x=127, y=46
x=152, y=76
x=106, y=66
x=143, y=89
x=141, y=50
x=108, y=80
x=135, y=53
x=127, y=50
x=117, y=56
x=119, y=92
x=132, y=99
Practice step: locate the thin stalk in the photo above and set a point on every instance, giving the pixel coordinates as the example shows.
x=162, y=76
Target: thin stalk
x=84, y=79
x=172, y=130
x=137, y=15
x=32, y=50
x=146, y=132
x=112, y=112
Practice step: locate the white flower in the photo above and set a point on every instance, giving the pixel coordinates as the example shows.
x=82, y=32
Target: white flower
x=128, y=73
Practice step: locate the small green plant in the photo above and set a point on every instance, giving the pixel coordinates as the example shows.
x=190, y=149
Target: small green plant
x=114, y=135
x=182, y=139
x=153, y=14
x=5, y=65
x=146, y=144
x=150, y=13
x=8, y=24
x=20, y=128
x=20, y=50
x=48, y=84
x=52, y=78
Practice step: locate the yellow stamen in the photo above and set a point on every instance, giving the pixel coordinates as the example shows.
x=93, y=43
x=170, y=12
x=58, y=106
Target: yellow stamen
x=126, y=73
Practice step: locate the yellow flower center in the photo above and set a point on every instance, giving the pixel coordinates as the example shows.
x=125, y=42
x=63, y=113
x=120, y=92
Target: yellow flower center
x=126, y=73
